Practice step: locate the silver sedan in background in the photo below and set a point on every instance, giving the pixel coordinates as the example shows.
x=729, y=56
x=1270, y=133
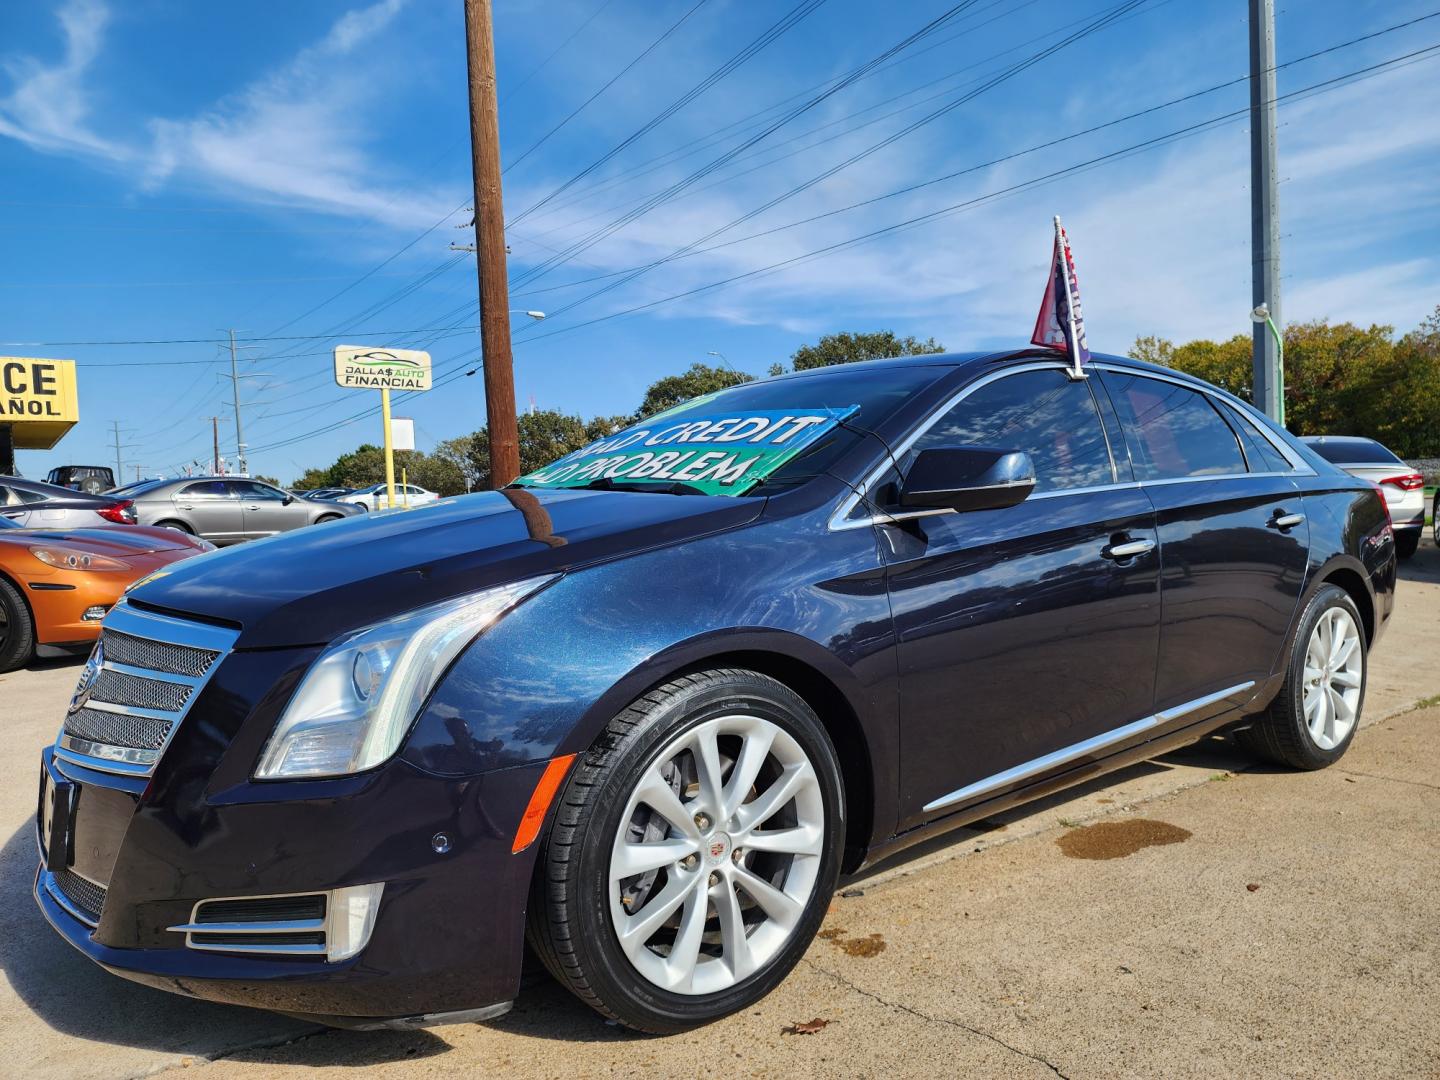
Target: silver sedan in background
x=1402, y=486
x=229, y=509
x=33, y=505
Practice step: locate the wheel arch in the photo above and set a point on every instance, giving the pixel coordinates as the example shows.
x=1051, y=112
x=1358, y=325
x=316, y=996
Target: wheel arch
x=19, y=588
x=1353, y=582
x=837, y=716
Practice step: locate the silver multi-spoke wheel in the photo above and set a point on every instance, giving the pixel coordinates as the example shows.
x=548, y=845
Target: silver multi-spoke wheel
x=716, y=855
x=1334, y=676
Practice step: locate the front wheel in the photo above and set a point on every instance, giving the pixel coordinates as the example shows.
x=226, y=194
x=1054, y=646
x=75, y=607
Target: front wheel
x=1312, y=721
x=693, y=854
x=17, y=629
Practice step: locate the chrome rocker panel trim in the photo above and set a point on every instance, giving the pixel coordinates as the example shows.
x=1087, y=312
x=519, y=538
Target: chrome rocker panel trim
x=1081, y=749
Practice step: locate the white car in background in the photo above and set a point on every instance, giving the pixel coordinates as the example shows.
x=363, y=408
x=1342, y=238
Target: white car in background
x=1402, y=486
x=373, y=497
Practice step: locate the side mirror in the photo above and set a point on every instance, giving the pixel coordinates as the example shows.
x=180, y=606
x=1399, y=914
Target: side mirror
x=968, y=478
x=287, y=500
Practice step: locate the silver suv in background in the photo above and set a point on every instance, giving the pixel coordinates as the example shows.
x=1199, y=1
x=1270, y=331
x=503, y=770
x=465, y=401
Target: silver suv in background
x=1402, y=486
x=228, y=509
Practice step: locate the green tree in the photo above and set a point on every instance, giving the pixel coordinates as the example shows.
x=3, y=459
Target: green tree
x=848, y=348
x=1153, y=350
x=544, y=436
x=1334, y=375
x=366, y=465
x=670, y=391
x=1227, y=364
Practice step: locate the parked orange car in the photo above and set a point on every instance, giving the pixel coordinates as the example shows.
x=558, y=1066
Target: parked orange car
x=55, y=587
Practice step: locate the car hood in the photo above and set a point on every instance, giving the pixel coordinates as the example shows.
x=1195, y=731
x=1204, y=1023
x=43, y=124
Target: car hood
x=309, y=586
x=116, y=541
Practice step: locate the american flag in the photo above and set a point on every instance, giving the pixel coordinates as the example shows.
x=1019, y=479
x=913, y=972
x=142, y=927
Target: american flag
x=1060, y=324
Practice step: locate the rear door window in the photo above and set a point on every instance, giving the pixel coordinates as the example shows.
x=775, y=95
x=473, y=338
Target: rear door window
x=207, y=489
x=1043, y=413
x=1173, y=432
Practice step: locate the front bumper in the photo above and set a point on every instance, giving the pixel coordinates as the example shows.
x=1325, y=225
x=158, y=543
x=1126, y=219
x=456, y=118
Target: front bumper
x=449, y=933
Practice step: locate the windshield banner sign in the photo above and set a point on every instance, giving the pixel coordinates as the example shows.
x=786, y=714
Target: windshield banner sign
x=717, y=453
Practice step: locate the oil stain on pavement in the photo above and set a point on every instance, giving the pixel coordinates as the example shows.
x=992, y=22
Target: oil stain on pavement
x=864, y=947
x=1116, y=839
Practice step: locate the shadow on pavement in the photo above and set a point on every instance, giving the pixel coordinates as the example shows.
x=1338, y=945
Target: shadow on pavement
x=1424, y=565
x=78, y=998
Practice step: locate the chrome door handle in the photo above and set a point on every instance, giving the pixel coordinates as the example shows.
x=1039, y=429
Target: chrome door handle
x=1128, y=549
x=1283, y=521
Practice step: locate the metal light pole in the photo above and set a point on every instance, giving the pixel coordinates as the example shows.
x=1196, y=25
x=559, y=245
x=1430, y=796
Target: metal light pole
x=1269, y=392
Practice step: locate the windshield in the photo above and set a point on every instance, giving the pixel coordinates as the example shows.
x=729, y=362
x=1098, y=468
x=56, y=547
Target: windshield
x=753, y=439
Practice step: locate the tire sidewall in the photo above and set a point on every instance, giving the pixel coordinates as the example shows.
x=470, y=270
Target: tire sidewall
x=609, y=970
x=1327, y=598
x=19, y=642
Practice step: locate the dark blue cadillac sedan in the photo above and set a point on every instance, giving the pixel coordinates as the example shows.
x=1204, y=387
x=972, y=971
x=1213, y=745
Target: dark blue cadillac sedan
x=643, y=707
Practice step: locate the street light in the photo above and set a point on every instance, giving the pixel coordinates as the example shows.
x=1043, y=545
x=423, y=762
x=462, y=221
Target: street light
x=536, y=315
x=721, y=357
x=1261, y=314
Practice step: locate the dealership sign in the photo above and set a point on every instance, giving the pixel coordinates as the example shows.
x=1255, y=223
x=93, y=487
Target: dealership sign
x=38, y=400
x=364, y=367
x=719, y=453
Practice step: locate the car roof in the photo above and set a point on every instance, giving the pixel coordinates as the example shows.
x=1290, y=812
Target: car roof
x=53, y=490
x=977, y=358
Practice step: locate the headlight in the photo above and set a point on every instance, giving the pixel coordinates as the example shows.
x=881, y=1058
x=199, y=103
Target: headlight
x=68, y=558
x=358, y=700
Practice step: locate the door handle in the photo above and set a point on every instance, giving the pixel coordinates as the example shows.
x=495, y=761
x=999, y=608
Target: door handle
x=1128, y=549
x=1284, y=521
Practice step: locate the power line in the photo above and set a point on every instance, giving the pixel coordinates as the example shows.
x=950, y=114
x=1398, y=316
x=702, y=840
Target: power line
x=665, y=34
x=776, y=30
x=555, y=52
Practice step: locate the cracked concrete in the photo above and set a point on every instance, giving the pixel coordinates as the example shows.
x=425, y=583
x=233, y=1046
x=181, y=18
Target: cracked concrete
x=1002, y=956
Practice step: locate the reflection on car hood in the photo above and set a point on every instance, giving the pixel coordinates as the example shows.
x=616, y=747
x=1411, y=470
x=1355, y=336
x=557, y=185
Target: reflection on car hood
x=116, y=541
x=309, y=586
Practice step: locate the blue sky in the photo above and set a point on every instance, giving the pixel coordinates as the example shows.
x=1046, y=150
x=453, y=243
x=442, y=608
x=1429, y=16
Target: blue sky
x=173, y=168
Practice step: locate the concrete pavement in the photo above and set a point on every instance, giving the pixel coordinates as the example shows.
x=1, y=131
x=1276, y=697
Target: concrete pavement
x=1108, y=931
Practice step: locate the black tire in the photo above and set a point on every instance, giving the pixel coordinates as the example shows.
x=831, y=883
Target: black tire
x=178, y=526
x=328, y=517
x=569, y=918
x=1406, y=542
x=1281, y=734
x=17, y=629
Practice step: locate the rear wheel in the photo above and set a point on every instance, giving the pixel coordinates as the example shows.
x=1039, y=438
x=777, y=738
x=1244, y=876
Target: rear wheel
x=694, y=851
x=1406, y=542
x=17, y=628
x=1312, y=721
x=327, y=517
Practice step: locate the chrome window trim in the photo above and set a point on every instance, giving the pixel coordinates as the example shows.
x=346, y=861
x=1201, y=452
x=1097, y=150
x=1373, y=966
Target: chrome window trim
x=165, y=630
x=1080, y=749
x=838, y=519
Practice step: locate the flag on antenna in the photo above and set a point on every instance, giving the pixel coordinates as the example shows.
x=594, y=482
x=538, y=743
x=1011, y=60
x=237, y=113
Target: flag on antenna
x=1060, y=324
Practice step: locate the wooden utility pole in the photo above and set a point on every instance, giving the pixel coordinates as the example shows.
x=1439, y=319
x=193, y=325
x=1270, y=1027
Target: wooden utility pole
x=499, y=369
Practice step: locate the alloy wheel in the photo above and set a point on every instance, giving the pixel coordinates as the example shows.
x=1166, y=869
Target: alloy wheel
x=1334, y=676
x=716, y=855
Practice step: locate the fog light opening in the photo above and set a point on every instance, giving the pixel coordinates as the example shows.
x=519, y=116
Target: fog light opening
x=95, y=613
x=352, y=918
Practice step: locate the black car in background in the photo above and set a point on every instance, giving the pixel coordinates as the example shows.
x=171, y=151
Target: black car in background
x=646, y=717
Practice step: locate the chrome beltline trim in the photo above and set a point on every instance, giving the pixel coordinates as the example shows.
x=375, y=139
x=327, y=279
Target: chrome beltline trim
x=1081, y=749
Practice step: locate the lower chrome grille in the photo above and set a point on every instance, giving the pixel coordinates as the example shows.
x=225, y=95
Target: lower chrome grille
x=142, y=678
x=118, y=729
x=87, y=899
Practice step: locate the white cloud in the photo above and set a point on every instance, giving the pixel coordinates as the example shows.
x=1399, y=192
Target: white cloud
x=295, y=137
x=49, y=107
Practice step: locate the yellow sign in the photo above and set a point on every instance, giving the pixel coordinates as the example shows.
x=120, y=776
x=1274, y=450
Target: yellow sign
x=38, y=400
